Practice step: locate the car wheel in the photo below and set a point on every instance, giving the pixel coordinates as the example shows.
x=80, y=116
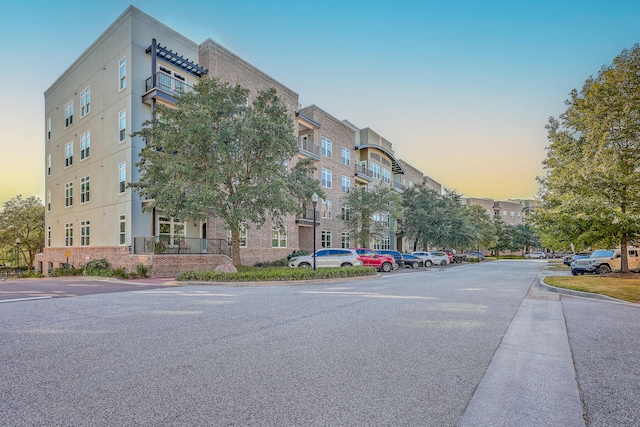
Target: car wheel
x=574, y=273
x=443, y=263
x=386, y=267
x=304, y=265
x=604, y=269
x=346, y=264
x=396, y=265
x=428, y=263
x=415, y=264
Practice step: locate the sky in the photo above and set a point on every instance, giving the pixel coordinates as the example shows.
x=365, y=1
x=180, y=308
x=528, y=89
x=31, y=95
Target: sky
x=463, y=89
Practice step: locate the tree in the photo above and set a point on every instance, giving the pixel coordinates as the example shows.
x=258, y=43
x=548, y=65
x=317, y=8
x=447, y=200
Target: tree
x=591, y=193
x=216, y=153
x=23, y=219
x=485, y=228
x=369, y=211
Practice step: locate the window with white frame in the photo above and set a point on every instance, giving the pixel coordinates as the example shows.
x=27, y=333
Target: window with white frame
x=85, y=101
x=386, y=175
x=49, y=129
x=279, y=237
x=325, y=239
x=242, y=236
x=346, y=184
x=346, y=240
x=122, y=229
x=85, y=232
x=122, y=73
x=68, y=234
x=84, y=189
x=345, y=212
x=68, y=113
x=68, y=154
x=68, y=194
x=48, y=237
x=170, y=230
x=346, y=156
x=326, y=177
x=85, y=145
x=375, y=170
x=48, y=164
x=122, y=177
x=326, y=147
x=48, y=200
x=383, y=243
x=123, y=125
x=326, y=209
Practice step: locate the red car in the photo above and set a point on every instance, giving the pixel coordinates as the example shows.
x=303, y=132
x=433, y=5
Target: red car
x=371, y=258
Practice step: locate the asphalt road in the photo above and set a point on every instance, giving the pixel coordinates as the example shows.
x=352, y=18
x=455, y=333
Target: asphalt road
x=400, y=349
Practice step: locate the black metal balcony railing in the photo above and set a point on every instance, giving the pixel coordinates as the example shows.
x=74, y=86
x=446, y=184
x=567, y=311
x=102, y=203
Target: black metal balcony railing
x=361, y=170
x=307, y=216
x=177, y=245
x=309, y=148
x=399, y=187
x=167, y=84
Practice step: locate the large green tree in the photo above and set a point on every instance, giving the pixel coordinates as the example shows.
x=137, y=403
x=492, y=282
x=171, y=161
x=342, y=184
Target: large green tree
x=484, y=226
x=217, y=153
x=369, y=212
x=23, y=219
x=591, y=192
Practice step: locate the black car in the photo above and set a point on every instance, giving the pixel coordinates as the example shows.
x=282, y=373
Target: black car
x=395, y=254
x=412, y=261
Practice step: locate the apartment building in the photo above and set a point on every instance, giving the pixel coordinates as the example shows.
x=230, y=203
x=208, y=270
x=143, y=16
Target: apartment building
x=511, y=212
x=92, y=109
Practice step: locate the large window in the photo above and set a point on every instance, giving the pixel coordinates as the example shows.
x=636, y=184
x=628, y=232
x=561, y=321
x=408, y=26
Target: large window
x=375, y=170
x=85, y=102
x=85, y=145
x=122, y=73
x=383, y=243
x=326, y=209
x=346, y=156
x=345, y=212
x=122, y=177
x=325, y=239
x=85, y=232
x=279, y=237
x=123, y=125
x=170, y=229
x=68, y=194
x=68, y=234
x=242, y=235
x=346, y=184
x=386, y=175
x=68, y=154
x=84, y=189
x=346, y=241
x=326, y=178
x=122, y=230
x=68, y=113
x=326, y=147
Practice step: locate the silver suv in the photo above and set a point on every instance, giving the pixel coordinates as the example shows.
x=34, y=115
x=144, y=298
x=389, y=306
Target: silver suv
x=328, y=257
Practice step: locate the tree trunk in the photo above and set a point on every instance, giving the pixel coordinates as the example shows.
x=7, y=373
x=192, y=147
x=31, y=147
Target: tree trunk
x=235, y=247
x=624, y=258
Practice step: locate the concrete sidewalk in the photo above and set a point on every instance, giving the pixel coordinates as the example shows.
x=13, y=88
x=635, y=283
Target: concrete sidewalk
x=531, y=379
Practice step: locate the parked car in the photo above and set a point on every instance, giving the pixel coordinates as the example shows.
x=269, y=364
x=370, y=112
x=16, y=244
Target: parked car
x=431, y=258
x=370, y=258
x=450, y=256
x=397, y=256
x=604, y=261
x=328, y=257
x=536, y=254
x=567, y=260
x=475, y=255
x=412, y=261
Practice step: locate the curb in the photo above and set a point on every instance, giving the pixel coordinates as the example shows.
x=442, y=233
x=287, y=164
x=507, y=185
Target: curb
x=582, y=294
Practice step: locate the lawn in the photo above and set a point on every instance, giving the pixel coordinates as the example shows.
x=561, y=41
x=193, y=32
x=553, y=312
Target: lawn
x=626, y=288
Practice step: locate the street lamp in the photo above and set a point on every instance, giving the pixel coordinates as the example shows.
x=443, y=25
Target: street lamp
x=314, y=201
x=17, y=255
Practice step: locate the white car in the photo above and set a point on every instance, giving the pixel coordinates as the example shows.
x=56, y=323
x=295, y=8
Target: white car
x=431, y=258
x=328, y=257
x=537, y=254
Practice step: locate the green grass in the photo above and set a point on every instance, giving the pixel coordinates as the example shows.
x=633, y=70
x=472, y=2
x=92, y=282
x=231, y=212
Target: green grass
x=623, y=288
x=276, y=274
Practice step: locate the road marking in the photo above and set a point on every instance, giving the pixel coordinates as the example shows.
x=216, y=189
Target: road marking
x=23, y=299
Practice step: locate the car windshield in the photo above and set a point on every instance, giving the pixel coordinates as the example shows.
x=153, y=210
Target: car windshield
x=602, y=254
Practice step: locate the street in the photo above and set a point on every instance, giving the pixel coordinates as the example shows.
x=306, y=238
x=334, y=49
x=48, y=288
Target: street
x=409, y=349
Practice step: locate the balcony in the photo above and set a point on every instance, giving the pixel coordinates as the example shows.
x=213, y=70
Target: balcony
x=398, y=187
x=363, y=173
x=178, y=245
x=306, y=217
x=308, y=148
x=164, y=88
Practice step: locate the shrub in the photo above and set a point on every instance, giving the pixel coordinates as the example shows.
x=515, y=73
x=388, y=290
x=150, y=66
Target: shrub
x=299, y=252
x=142, y=270
x=62, y=271
x=252, y=274
x=30, y=273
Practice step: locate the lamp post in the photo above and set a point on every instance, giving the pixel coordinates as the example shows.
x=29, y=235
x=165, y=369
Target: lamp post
x=17, y=255
x=314, y=201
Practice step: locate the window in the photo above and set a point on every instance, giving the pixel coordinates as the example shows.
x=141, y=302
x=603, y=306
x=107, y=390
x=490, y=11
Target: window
x=68, y=234
x=325, y=239
x=85, y=145
x=84, y=189
x=122, y=180
x=68, y=154
x=242, y=236
x=386, y=175
x=68, y=194
x=169, y=229
x=346, y=156
x=384, y=243
x=123, y=125
x=49, y=129
x=326, y=178
x=279, y=237
x=346, y=184
x=123, y=73
x=375, y=169
x=326, y=147
x=85, y=231
x=48, y=200
x=164, y=82
x=48, y=164
x=122, y=230
x=346, y=240
x=48, y=237
x=85, y=102
x=68, y=114
x=345, y=213
x=326, y=209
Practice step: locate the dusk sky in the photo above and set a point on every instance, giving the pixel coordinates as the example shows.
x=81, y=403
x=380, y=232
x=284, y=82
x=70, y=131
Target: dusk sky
x=462, y=88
